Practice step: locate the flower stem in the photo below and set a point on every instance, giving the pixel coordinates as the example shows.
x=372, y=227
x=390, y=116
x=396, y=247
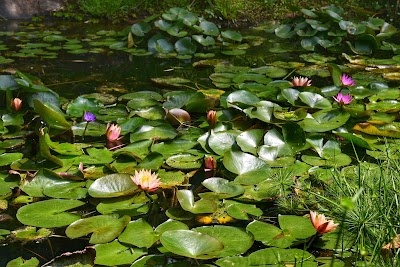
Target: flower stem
x=84, y=131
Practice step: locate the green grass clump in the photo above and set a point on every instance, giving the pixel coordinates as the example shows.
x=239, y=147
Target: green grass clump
x=365, y=201
x=111, y=9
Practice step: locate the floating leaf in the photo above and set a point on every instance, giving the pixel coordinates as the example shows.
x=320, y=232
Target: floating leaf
x=191, y=244
x=138, y=233
x=140, y=28
x=235, y=240
x=113, y=185
x=49, y=213
x=223, y=188
x=106, y=254
x=105, y=228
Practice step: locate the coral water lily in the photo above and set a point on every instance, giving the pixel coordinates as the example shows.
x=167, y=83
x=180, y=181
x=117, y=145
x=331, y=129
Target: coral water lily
x=16, y=104
x=146, y=180
x=347, y=80
x=113, y=132
x=300, y=81
x=343, y=99
x=321, y=224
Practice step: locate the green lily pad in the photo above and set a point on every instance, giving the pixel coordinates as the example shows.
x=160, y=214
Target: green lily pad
x=140, y=28
x=185, y=46
x=191, y=244
x=279, y=255
x=221, y=142
x=146, y=132
x=8, y=158
x=240, y=210
x=209, y=28
x=232, y=35
x=53, y=117
x=105, y=228
x=105, y=254
x=49, y=213
x=138, y=233
x=184, y=161
x=249, y=141
x=235, y=240
x=315, y=100
x=223, y=188
x=240, y=163
x=30, y=233
x=186, y=199
x=113, y=185
x=20, y=262
x=324, y=120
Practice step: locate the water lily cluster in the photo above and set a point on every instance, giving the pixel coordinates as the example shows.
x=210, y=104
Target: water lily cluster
x=193, y=173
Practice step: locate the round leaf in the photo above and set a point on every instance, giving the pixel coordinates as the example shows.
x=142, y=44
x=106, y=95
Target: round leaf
x=49, y=213
x=191, y=244
x=113, y=185
x=105, y=228
x=235, y=240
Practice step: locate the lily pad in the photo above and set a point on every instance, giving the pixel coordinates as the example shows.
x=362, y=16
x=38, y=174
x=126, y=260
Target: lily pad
x=191, y=244
x=113, y=185
x=49, y=213
x=105, y=228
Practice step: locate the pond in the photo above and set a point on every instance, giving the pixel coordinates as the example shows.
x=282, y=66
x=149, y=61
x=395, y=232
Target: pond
x=151, y=145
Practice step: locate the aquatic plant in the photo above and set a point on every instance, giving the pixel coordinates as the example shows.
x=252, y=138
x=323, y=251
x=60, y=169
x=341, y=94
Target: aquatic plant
x=343, y=99
x=347, y=80
x=16, y=104
x=88, y=116
x=321, y=224
x=112, y=133
x=146, y=180
x=223, y=156
x=300, y=81
x=327, y=28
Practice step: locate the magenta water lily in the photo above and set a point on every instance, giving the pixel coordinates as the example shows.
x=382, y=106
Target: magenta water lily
x=347, y=80
x=343, y=99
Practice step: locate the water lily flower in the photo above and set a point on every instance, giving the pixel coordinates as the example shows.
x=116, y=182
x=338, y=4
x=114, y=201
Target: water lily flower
x=343, y=99
x=88, y=116
x=113, y=132
x=16, y=104
x=211, y=118
x=321, y=224
x=146, y=180
x=347, y=80
x=300, y=81
x=210, y=165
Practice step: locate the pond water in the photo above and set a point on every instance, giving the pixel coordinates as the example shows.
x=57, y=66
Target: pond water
x=75, y=59
x=106, y=70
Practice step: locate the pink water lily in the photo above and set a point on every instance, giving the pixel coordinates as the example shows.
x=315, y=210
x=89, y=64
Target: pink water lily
x=321, y=224
x=343, y=99
x=347, y=80
x=113, y=132
x=16, y=104
x=146, y=180
x=300, y=81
